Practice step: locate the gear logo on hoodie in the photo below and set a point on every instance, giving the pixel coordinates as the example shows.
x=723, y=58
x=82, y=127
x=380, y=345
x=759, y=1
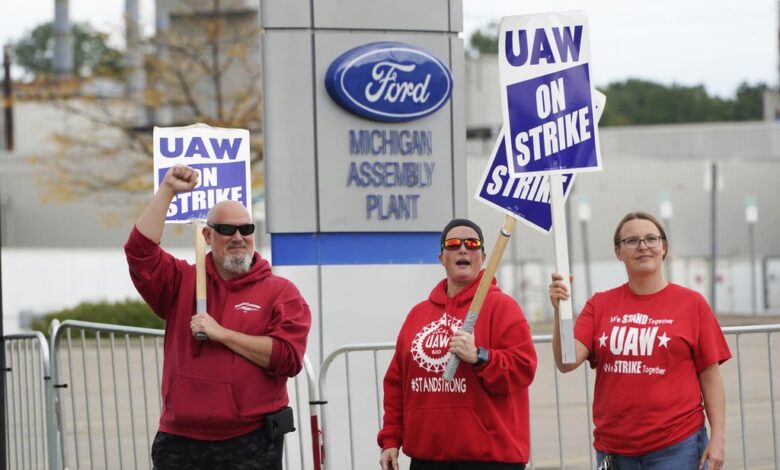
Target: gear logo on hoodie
x=247, y=307
x=430, y=345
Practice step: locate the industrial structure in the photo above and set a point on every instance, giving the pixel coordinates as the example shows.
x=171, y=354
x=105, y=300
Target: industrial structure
x=723, y=240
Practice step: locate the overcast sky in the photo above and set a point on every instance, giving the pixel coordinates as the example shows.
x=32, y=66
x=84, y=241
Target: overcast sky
x=718, y=43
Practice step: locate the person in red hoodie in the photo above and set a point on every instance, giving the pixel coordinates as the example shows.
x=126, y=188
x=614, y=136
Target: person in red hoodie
x=217, y=394
x=479, y=420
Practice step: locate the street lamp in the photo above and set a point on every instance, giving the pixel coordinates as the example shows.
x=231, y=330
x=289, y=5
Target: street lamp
x=751, y=217
x=666, y=211
x=583, y=213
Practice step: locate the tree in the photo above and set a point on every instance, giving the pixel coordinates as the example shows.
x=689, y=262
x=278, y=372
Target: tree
x=92, y=56
x=205, y=68
x=750, y=102
x=484, y=40
x=640, y=102
x=637, y=102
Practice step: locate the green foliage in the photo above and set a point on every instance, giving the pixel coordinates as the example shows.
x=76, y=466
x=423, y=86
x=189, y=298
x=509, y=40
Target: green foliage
x=484, y=40
x=127, y=313
x=91, y=53
x=750, y=102
x=640, y=102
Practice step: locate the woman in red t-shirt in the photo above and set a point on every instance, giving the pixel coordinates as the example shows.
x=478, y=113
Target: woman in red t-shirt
x=657, y=349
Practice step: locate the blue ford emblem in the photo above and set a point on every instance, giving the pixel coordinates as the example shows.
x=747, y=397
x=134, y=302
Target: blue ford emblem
x=389, y=81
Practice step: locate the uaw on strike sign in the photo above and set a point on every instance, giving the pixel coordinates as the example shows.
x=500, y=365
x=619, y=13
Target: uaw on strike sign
x=546, y=97
x=221, y=158
x=525, y=197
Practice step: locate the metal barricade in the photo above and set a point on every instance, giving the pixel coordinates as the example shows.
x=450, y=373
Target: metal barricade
x=350, y=385
x=754, y=369
x=101, y=408
x=27, y=413
x=353, y=448
x=306, y=439
x=107, y=383
x=92, y=401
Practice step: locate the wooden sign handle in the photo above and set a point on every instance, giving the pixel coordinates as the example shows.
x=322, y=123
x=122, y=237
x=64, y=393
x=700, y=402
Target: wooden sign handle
x=482, y=290
x=200, y=275
x=565, y=316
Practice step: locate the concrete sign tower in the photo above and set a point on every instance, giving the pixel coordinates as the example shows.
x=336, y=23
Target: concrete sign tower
x=364, y=129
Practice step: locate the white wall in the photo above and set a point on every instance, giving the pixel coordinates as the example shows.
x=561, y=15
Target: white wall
x=357, y=304
x=41, y=280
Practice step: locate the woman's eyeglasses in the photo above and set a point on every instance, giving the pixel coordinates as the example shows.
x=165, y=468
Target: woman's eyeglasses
x=453, y=244
x=228, y=229
x=633, y=243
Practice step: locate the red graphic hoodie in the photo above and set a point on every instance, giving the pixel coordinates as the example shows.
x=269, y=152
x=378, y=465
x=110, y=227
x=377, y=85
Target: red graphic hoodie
x=209, y=392
x=482, y=414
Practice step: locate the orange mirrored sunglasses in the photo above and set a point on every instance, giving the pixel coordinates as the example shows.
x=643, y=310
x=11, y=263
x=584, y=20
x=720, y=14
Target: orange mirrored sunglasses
x=454, y=243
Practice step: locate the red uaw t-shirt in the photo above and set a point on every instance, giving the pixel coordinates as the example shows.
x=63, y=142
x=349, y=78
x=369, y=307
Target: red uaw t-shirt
x=648, y=352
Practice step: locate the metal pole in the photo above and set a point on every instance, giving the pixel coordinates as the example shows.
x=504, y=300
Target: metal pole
x=752, y=246
x=569, y=236
x=667, y=226
x=584, y=215
x=163, y=113
x=63, y=40
x=666, y=213
x=751, y=217
x=8, y=107
x=586, y=259
x=135, y=75
x=516, y=272
x=3, y=450
x=713, y=235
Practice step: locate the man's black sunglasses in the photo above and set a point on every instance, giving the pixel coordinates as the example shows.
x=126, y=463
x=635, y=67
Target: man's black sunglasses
x=228, y=229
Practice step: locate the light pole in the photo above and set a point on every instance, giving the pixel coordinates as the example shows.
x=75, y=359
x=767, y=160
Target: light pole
x=666, y=211
x=751, y=217
x=7, y=94
x=713, y=188
x=583, y=212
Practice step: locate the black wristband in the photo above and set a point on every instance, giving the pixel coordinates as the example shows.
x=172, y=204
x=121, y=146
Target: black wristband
x=483, y=356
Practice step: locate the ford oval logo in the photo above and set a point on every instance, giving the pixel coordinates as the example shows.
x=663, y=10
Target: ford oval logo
x=389, y=81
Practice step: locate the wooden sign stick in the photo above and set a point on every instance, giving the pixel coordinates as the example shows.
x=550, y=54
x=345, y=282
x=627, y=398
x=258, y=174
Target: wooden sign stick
x=200, y=274
x=565, y=317
x=482, y=290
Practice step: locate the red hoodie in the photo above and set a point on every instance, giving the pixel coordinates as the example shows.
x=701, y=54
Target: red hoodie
x=209, y=392
x=482, y=415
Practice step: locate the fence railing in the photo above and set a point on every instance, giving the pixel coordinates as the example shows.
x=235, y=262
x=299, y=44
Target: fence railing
x=757, y=398
x=350, y=382
x=94, y=391
x=91, y=400
x=29, y=414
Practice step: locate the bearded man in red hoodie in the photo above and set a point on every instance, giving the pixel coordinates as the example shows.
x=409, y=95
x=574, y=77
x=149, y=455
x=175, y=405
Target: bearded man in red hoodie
x=479, y=420
x=218, y=395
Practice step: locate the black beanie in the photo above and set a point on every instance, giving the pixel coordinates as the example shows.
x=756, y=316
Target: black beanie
x=461, y=223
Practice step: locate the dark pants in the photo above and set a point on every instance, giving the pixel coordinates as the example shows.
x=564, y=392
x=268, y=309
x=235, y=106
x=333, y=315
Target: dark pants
x=251, y=451
x=430, y=465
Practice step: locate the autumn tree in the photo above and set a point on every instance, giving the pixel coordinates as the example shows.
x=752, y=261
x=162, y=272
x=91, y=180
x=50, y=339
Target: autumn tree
x=204, y=68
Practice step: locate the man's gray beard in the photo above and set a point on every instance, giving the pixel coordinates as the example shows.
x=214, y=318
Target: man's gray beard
x=237, y=264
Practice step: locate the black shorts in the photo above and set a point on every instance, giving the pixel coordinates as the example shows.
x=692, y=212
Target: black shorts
x=250, y=451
